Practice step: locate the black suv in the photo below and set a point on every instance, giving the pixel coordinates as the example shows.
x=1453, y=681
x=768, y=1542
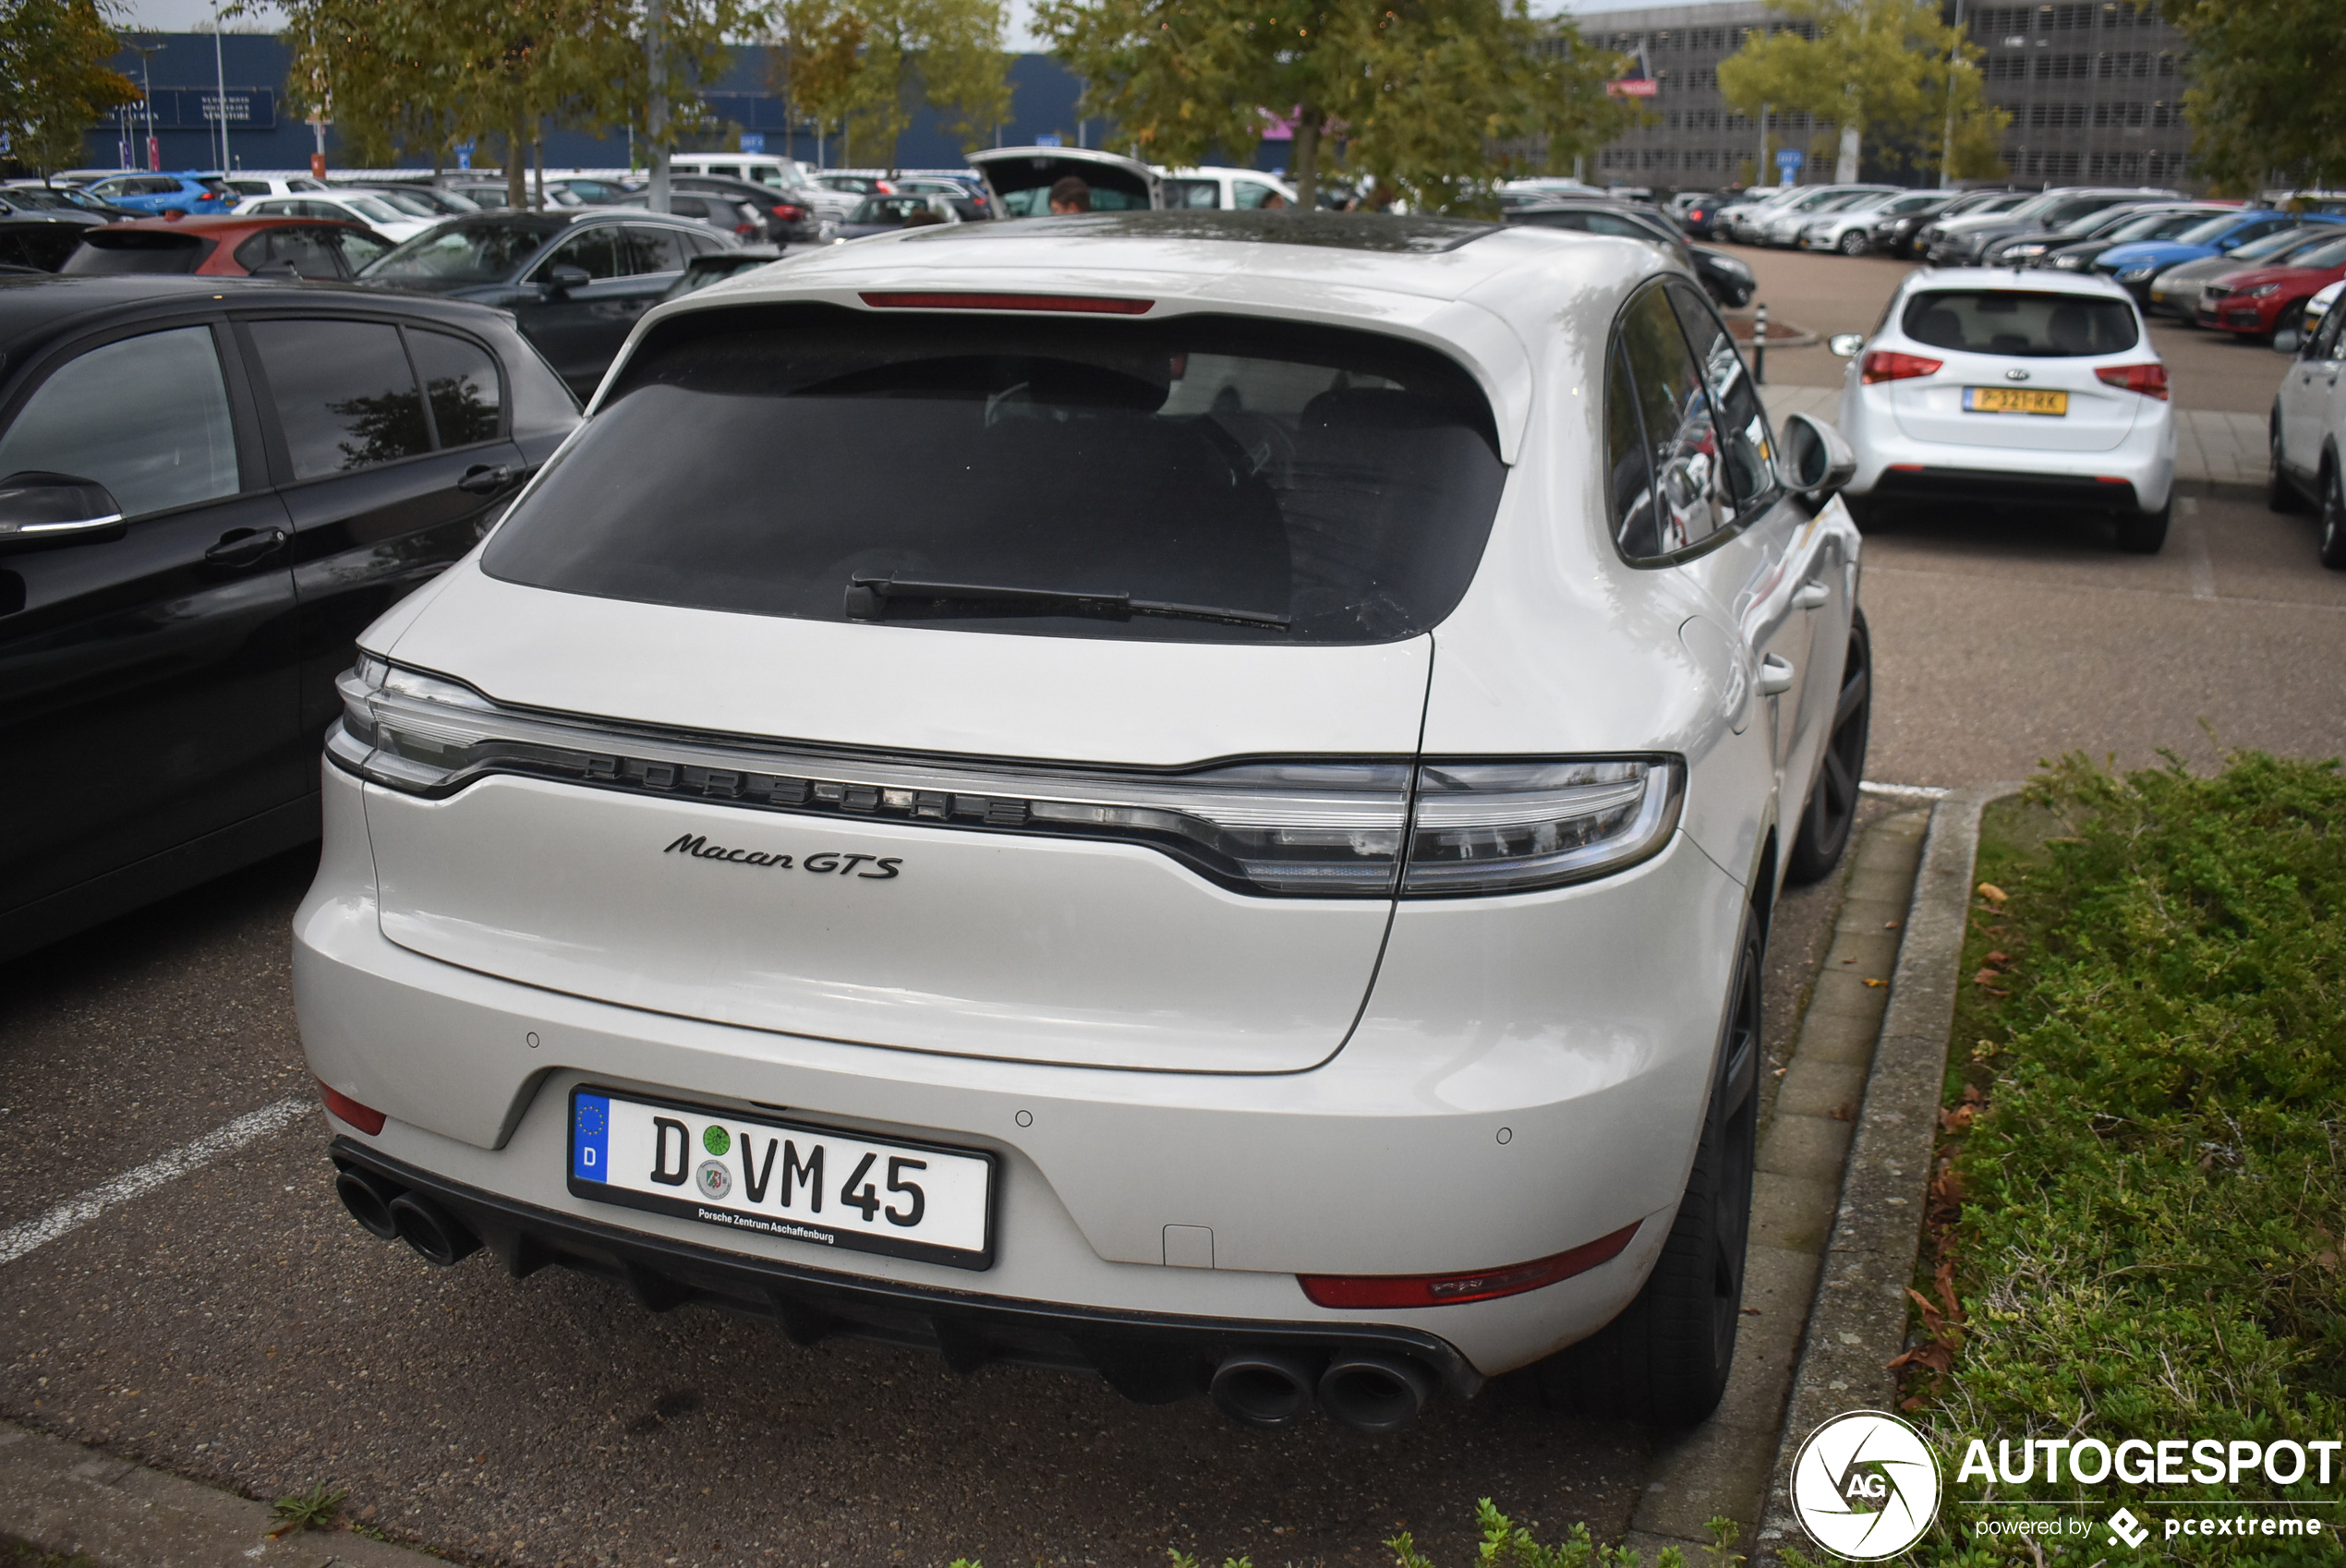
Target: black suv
x=208, y=488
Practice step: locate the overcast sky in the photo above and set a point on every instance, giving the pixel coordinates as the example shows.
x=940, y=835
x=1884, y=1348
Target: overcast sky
x=194, y=15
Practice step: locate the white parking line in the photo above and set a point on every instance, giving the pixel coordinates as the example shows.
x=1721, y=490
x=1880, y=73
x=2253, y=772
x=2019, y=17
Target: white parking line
x=75, y=1213
x=1903, y=791
x=2194, y=541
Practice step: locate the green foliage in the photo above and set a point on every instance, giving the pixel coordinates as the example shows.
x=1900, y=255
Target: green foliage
x=1430, y=98
x=54, y=79
x=1883, y=68
x=2268, y=89
x=2154, y=1187
x=863, y=65
x=313, y=1510
x=420, y=76
x=1506, y=1544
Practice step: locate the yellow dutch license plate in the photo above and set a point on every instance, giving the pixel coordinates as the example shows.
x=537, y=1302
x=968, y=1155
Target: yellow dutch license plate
x=2014, y=400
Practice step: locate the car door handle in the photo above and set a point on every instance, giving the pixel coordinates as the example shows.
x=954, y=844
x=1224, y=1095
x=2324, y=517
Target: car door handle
x=485, y=480
x=1815, y=594
x=245, y=547
x=1775, y=676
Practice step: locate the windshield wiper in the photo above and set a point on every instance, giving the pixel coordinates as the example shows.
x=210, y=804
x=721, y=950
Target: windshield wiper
x=869, y=599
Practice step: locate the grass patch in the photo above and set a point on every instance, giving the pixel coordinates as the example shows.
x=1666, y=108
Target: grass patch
x=317, y=1508
x=1502, y=1543
x=2137, y=1209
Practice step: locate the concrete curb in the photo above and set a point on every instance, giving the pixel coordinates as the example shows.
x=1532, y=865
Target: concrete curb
x=1858, y=1324
x=1721, y=1468
x=60, y=1497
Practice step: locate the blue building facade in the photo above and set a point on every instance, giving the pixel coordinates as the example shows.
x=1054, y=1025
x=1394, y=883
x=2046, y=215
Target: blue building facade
x=183, y=72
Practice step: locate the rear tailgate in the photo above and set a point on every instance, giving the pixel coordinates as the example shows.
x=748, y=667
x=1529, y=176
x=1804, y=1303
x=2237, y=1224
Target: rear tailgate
x=920, y=933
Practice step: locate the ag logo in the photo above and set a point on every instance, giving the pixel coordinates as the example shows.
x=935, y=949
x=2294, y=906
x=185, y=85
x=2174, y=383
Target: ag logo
x=1865, y=1486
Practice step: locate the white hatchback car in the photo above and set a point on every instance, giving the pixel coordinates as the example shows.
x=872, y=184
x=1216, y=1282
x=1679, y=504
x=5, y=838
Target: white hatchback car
x=1997, y=385
x=1220, y=830
x=2309, y=426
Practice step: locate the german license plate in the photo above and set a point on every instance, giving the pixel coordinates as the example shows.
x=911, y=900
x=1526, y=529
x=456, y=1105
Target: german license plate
x=752, y=1176
x=2014, y=400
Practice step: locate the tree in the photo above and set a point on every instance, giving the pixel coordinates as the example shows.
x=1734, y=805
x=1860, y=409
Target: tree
x=863, y=65
x=2268, y=90
x=420, y=76
x=1427, y=96
x=1883, y=67
x=54, y=81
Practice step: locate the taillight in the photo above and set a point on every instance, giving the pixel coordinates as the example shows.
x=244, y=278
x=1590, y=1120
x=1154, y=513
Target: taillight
x=1365, y=827
x=1446, y=1290
x=745, y=231
x=366, y=1118
x=788, y=213
x=2148, y=379
x=1889, y=364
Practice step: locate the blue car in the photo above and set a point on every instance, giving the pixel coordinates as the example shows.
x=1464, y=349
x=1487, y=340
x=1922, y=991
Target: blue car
x=2133, y=266
x=190, y=191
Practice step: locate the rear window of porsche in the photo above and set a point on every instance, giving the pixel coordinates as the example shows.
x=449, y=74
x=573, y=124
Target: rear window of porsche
x=1194, y=478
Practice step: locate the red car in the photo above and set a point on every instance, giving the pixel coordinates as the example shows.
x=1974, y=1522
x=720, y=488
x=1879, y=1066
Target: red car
x=2256, y=300
x=230, y=246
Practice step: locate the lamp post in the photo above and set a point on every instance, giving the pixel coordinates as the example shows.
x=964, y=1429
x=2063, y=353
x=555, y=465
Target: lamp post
x=220, y=79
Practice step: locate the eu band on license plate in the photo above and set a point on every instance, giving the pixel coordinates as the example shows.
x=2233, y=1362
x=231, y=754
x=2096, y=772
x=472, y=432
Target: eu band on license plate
x=2014, y=400
x=753, y=1176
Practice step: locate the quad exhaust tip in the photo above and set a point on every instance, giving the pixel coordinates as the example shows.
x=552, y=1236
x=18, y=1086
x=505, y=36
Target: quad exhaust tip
x=1366, y=1391
x=385, y=1208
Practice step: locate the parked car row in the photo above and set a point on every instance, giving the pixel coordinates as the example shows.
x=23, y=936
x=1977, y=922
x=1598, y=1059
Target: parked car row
x=2308, y=428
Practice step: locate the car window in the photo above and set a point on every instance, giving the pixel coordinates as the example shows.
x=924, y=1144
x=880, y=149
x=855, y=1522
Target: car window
x=1249, y=193
x=357, y=249
x=146, y=416
x=116, y=250
x=2020, y=322
x=1193, y=193
x=460, y=381
x=311, y=252
x=726, y=171
x=1675, y=410
x=592, y=250
x=1347, y=481
x=2330, y=255
x=1628, y=472
x=646, y=248
x=1744, y=446
x=345, y=394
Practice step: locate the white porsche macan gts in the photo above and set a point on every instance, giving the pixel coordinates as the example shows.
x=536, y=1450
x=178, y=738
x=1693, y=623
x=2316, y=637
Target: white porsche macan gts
x=1192, y=795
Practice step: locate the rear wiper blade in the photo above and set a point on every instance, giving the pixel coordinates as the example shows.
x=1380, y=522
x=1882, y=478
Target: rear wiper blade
x=869, y=599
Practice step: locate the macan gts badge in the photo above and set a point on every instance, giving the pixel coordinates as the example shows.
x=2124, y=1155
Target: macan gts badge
x=883, y=867
x=1330, y=774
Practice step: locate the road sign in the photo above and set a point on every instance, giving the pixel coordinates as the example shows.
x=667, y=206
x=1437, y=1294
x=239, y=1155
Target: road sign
x=1788, y=162
x=465, y=154
x=752, y=141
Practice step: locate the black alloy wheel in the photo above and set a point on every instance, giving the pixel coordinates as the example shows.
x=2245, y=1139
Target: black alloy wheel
x=2333, y=546
x=1831, y=808
x=2280, y=494
x=1665, y=1359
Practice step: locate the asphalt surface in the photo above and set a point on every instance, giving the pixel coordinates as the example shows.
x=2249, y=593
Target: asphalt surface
x=235, y=1327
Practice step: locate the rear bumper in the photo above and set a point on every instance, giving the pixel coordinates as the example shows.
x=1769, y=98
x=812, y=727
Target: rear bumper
x=1150, y=1357
x=2137, y=473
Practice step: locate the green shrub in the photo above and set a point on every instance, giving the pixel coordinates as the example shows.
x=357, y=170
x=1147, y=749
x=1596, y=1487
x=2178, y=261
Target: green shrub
x=2149, y=1161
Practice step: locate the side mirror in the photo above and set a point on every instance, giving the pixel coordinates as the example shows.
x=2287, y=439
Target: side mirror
x=1845, y=345
x=38, y=509
x=1818, y=461
x=565, y=278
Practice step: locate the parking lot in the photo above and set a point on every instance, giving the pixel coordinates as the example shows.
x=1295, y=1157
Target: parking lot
x=232, y=1325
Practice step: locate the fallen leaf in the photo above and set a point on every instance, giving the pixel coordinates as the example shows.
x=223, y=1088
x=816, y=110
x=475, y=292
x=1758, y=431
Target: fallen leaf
x=1752, y=1311
x=2000, y=958
x=1889, y=925
x=1987, y=976
x=2328, y=1260
x=1843, y=1113
x=1992, y=893
x=1877, y=983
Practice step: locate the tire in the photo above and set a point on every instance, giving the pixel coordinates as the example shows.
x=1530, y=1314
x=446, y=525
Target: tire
x=2143, y=532
x=2280, y=495
x=2333, y=545
x=1853, y=244
x=1831, y=810
x=1666, y=1357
